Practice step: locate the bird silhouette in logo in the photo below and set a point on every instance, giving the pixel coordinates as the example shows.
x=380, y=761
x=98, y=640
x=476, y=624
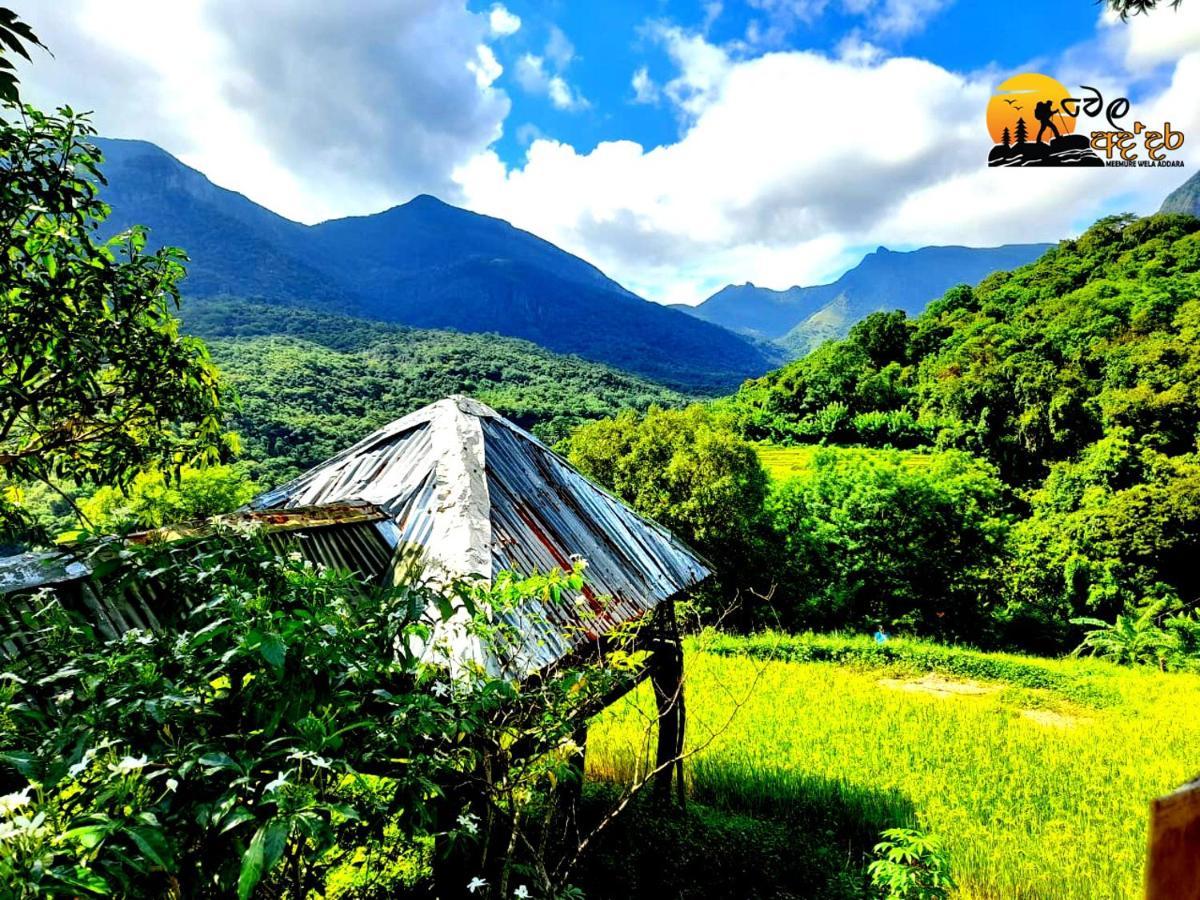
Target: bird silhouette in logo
x=1010, y=102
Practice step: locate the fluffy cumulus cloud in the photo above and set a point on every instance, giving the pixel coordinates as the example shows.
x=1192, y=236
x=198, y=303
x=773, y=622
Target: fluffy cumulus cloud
x=301, y=106
x=502, y=22
x=780, y=183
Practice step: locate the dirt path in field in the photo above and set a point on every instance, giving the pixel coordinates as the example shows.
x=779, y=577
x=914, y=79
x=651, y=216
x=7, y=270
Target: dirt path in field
x=939, y=686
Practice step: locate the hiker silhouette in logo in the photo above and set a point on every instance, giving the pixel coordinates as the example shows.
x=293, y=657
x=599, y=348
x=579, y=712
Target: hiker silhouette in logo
x=1044, y=112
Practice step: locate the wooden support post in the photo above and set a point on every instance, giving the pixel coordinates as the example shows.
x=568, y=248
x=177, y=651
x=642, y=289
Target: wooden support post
x=666, y=676
x=1173, y=858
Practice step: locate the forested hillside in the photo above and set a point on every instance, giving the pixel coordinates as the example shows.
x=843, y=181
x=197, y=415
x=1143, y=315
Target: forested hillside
x=313, y=383
x=1059, y=403
x=1077, y=377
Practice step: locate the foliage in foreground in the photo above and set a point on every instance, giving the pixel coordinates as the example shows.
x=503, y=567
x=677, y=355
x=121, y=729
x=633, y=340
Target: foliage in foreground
x=95, y=379
x=286, y=720
x=911, y=866
x=833, y=745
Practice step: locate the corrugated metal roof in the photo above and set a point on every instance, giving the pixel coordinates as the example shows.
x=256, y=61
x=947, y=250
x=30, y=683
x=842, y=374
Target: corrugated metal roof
x=356, y=536
x=479, y=495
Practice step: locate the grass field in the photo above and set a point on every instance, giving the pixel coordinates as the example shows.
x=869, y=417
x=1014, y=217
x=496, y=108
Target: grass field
x=785, y=462
x=1038, y=791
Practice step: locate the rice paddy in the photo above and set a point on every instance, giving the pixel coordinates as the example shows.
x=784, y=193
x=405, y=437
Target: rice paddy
x=782, y=463
x=1037, y=792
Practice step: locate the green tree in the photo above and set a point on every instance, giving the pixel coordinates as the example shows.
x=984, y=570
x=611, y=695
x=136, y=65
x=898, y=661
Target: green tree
x=687, y=470
x=96, y=381
x=153, y=499
x=868, y=539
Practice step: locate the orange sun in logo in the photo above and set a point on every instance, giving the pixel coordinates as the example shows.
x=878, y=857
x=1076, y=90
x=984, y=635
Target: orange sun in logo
x=1017, y=106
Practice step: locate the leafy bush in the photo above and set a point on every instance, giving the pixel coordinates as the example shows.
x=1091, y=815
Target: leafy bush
x=281, y=719
x=911, y=866
x=688, y=471
x=1153, y=636
x=868, y=540
x=154, y=499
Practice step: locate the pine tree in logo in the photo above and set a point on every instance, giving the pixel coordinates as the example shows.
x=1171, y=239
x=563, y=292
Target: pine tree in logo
x=1022, y=133
x=1005, y=138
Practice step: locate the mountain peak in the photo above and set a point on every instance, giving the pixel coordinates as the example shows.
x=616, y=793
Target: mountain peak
x=426, y=200
x=1185, y=198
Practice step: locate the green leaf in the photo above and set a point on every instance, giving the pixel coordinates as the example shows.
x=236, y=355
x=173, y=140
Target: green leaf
x=264, y=851
x=252, y=867
x=153, y=845
x=273, y=650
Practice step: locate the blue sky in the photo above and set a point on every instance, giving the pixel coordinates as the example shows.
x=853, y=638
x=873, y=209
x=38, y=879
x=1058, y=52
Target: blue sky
x=612, y=41
x=679, y=146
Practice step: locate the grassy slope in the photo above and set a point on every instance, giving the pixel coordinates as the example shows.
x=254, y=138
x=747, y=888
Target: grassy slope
x=785, y=462
x=1027, y=808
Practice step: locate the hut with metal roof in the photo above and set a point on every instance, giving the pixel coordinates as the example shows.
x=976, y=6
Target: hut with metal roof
x=468, y=494
x=472, y=495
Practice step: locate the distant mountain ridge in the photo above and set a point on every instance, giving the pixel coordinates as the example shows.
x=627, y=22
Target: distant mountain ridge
x=800, y=318
x=1185, y=198
x=424, y=263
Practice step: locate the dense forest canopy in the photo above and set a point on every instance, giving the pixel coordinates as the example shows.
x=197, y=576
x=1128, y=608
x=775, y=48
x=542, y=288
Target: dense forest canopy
x=311, y=383
x=1026, y=369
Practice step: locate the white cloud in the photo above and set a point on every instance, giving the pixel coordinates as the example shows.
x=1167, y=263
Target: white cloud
x=644, y=88
x=299, y=106
x=485, y=66
x=1149, y=40
x=900, y=18
x=502, y=22
x=559, y=50
x=775, y=182
x=535, y=77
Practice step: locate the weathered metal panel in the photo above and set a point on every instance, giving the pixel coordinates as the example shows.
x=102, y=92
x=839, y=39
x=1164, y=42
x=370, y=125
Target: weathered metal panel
x=354, y=536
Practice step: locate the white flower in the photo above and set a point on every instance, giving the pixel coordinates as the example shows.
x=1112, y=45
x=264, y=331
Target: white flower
x=172, y=784
x=10, y=802
x=522, y=893
x=469, y=823
x=440, y=689
x=129, y=764
x=475, y=884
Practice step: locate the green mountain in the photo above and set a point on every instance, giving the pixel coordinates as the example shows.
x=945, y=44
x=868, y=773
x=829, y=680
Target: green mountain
x=800, y=318
x=311, y=383
x=426, y=264
x=1185, y=198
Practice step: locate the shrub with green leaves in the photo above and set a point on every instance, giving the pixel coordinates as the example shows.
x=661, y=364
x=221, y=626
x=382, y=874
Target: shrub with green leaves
x=911, y=866
x=282, y=719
